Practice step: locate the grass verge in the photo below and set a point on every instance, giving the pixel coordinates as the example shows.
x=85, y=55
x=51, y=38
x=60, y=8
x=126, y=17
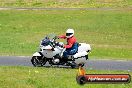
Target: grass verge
x=28, y=77
x=108, y=32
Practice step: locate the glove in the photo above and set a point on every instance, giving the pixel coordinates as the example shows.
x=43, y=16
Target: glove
x=64, y=46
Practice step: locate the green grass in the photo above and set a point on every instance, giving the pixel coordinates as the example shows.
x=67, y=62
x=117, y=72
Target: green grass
x=28, y=77
x=66, y=3
x=108, y=32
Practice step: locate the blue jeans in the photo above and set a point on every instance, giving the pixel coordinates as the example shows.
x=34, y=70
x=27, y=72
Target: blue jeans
x=71, y=51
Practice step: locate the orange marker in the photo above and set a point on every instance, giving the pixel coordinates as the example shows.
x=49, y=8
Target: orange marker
x=81, y=71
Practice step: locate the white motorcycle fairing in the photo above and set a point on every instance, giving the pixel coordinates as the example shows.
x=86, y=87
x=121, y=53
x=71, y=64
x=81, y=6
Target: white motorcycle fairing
x=48, y=52
x=36, y=54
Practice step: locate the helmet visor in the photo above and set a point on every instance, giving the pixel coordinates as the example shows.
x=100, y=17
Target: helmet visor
x=68, y=34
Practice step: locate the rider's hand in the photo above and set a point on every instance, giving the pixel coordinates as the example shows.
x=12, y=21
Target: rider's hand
x=64, y=46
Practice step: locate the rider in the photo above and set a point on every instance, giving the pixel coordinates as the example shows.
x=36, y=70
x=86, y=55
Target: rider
x=71, y=46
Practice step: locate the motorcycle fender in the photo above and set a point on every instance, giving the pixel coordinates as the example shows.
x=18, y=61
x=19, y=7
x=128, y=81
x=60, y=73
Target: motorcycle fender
x=36, y=54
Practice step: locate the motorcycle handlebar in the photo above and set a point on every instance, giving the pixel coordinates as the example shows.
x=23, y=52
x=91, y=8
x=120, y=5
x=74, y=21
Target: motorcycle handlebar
x=57, y=43
x=54, y=42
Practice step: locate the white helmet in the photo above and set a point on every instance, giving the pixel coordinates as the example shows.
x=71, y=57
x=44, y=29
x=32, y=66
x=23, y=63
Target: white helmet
x=69, y=33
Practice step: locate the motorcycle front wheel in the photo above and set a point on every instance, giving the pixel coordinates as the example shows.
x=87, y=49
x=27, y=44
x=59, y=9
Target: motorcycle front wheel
x=38, y=61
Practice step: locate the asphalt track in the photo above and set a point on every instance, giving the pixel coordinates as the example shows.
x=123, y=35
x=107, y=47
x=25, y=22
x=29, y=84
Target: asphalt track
x=91, y=64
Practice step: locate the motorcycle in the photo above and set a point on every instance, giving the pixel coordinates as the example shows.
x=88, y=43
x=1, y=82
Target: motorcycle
x=52, y=51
